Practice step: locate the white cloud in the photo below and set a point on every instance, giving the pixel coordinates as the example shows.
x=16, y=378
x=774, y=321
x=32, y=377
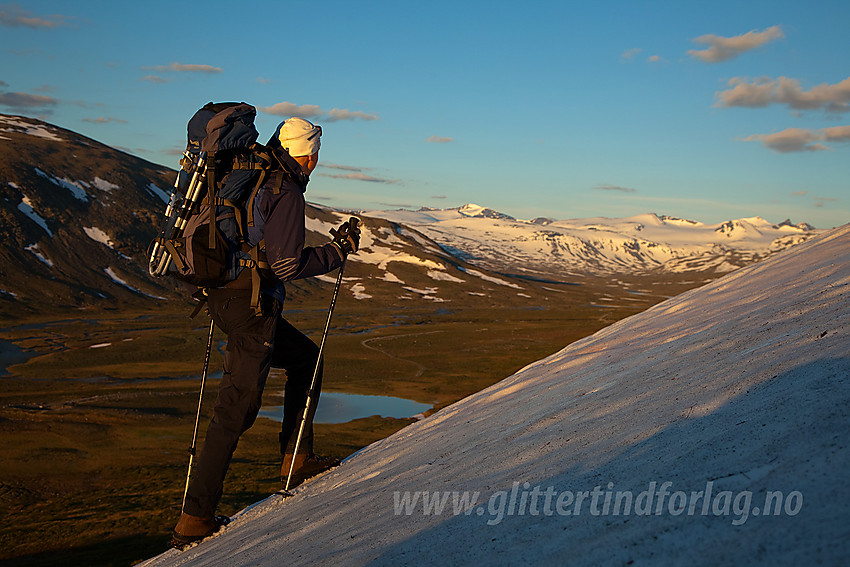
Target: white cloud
x=292, y=109
x=341, y=114
x=630, y=53
x=154, y=79
x=24, y=100
x=315, y=111
x=186, y=68
x=342, y=167
x=615, y=188
x=822, y=201
x=764, y=91
x=837, y=134
x=357, y=177
x=439, y=140
x=801, y=139
x=12, y=16
x=104, y=120
x=725, y=48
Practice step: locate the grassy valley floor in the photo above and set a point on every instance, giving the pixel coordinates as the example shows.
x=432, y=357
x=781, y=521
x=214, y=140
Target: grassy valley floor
x=96, y=412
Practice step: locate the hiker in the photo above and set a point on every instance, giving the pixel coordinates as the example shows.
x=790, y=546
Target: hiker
x=256, y=342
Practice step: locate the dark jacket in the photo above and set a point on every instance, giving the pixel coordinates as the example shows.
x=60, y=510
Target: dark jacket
x=279, y=219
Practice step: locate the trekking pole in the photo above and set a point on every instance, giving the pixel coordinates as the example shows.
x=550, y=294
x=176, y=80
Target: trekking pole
x=316, y=371
x=198, y=416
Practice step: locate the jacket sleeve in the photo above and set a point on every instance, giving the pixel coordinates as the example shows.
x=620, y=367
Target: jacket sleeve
x=284, y=234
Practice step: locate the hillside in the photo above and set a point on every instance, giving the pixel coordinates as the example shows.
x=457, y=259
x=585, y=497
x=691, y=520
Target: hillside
x=658, y=440
x=79, y=217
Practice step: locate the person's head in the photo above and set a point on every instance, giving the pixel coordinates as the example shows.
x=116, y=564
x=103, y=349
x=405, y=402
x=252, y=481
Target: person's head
x=302, y=140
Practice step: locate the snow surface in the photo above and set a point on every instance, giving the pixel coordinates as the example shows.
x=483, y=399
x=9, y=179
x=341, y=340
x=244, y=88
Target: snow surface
x=701, y=409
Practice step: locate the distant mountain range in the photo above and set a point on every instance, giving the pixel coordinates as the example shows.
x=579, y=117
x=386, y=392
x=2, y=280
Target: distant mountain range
x=77, y=218
x=642, y=244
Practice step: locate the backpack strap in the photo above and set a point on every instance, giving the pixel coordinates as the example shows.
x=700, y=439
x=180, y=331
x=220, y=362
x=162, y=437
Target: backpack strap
x=237, y=212
x=265, y=163
x=175, y=256
x=256, y=263
x=212, y=193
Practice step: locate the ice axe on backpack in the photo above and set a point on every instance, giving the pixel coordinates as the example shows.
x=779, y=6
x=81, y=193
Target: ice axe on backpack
x=339, y=235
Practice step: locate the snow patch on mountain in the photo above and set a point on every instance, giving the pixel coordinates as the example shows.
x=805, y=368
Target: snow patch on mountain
x=115, y=278
x=104, y=185
x=157, y=192
x=382, y=247
x=491, y=279
x=39, y=254
x=98, y=235
x=358, y=290
x=75, y=187
x=13, y=124
x=26, y=207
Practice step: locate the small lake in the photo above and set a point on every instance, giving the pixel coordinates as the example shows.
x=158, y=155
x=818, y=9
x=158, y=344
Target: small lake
x=11, y=354
x=335, y=407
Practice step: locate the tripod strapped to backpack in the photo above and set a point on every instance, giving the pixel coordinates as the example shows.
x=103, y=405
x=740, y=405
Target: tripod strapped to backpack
x=177, y=214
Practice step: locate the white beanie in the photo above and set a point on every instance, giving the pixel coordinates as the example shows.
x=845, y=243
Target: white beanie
x=299, y=137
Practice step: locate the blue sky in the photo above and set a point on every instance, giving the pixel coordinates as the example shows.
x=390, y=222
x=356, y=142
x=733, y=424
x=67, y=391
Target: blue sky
x=566, y=109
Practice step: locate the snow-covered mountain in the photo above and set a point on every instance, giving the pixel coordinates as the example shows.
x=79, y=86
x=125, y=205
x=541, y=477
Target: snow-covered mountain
x=638, y=244
x=710, y=429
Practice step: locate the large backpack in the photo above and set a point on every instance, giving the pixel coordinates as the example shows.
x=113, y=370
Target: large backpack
x=204, y=238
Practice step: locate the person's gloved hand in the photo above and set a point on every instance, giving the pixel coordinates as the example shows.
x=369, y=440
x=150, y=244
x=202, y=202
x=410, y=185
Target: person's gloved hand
x=347, y=236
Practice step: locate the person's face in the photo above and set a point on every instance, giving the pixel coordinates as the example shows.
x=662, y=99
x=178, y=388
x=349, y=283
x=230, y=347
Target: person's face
x=308, y=163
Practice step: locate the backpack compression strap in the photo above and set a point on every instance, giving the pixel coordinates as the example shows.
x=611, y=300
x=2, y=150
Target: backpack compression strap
x=255, y=263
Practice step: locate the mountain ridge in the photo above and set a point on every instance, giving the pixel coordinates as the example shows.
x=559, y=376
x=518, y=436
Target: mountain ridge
x=644, y=243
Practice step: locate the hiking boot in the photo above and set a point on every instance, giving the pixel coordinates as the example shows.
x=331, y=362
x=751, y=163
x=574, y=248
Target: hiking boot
x=306, y=466
x=190, y=529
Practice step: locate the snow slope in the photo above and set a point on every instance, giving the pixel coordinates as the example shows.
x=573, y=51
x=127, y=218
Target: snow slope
x=633, y=244
x=704, y=409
